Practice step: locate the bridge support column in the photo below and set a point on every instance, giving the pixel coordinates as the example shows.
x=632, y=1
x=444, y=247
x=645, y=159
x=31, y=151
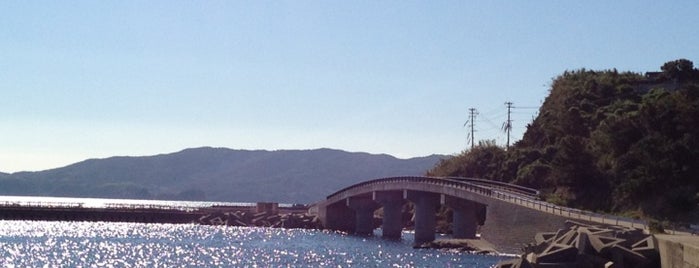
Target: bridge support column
x=337, y=216
x=364, y=208
x=465, y=218
x=392, y=202
x=426, y=205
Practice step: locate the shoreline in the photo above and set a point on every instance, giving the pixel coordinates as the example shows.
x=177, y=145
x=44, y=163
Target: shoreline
x=473, y=246
x=144, y=214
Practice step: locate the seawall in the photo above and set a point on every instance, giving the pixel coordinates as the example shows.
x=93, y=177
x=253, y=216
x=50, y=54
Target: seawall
x=145, y=215
x=678, y=250
x=131, y=214
x=511, y=227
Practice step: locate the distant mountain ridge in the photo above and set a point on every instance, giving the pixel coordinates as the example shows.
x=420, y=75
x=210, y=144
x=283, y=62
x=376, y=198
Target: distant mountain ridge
x=216, y=174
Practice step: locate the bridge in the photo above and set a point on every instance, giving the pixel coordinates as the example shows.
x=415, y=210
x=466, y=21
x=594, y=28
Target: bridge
x=507, y=215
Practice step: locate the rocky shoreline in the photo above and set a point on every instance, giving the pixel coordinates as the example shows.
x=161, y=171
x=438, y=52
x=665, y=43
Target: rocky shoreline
x=262, y=219
x=585, y=245
x=473, y=246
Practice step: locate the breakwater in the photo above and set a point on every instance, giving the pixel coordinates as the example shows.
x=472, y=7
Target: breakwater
x=586, y=245
x=260, y=214
x=262, y=218
x=144, y=215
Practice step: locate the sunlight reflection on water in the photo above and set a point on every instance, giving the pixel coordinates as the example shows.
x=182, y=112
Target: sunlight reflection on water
x=71, y=244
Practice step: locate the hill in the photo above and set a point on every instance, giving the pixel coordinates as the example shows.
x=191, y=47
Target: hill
x=610, y=141
x=216, y=174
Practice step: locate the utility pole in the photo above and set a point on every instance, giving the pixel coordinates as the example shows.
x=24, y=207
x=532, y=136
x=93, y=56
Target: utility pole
x=472, y=112
x=507, y=127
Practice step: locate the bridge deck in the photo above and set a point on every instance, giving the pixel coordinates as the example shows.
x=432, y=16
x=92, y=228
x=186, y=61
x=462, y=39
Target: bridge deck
x=500, y=191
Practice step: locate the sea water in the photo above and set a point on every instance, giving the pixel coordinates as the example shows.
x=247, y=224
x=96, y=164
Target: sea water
x=110, y=244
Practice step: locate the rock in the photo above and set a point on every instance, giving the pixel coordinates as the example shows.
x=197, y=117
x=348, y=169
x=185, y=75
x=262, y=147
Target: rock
x=205, y=219
x=273, y=218
x=217, y=221
x=558, y=253
x=602, y=244
x=475, y=246
x=544, y=237
x=629, y=257
x=565, y=237
x=647, y=247
x=584, y=245
x=514, y=263
x=261, y=219
x=590, y=261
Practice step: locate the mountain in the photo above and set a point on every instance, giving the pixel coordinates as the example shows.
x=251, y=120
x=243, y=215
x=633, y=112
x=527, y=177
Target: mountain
x=216, y=174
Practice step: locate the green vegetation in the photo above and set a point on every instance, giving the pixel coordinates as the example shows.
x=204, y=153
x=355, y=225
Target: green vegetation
x=606, y=141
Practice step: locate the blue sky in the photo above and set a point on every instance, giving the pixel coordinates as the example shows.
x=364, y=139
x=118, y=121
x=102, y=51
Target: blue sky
x=93, y=79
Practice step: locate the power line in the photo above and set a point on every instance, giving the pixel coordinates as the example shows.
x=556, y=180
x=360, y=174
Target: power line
x=493, y=110
x=514, y=113
x=490, y=122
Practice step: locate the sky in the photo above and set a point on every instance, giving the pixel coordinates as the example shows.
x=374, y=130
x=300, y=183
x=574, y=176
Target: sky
x=94, y=79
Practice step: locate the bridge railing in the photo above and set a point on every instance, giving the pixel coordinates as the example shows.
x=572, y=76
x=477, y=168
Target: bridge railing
x=519, y=195
x=680, y=228
x=570, y=212
x=429, y=180
x=530, y=192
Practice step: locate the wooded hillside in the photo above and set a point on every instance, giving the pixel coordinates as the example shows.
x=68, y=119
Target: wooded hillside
x=608, y=141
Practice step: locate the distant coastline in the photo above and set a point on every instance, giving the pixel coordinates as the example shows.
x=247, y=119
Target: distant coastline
x=215, y=174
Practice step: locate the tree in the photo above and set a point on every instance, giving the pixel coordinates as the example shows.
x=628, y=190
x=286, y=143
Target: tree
x=678, y=69
x=483, y=161
x=603, y=141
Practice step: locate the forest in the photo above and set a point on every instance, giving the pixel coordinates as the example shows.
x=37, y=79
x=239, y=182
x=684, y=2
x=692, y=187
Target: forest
x=606, y=141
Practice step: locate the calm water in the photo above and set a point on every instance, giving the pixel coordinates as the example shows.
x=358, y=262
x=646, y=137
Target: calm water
x=74, y=244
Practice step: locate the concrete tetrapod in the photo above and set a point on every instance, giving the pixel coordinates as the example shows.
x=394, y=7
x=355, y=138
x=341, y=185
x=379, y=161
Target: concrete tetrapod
x=583, y=245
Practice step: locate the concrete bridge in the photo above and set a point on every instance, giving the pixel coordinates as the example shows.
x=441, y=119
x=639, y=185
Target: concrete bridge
x=507, y=215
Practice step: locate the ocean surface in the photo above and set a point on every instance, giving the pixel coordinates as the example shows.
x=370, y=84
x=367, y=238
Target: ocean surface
x=113, y=244
x=109, y=244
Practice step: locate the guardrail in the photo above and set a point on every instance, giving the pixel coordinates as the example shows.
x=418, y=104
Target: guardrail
x=680, y=228
x=429, y=180
x=533, y=193
x=511, y=195
x=570, y=212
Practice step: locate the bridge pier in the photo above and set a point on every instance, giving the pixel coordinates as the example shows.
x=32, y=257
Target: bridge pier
x=426, y=205
x=465, y=218
x=338, y=216
x=510, y=225
x=364, y=208
x=392, y=202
